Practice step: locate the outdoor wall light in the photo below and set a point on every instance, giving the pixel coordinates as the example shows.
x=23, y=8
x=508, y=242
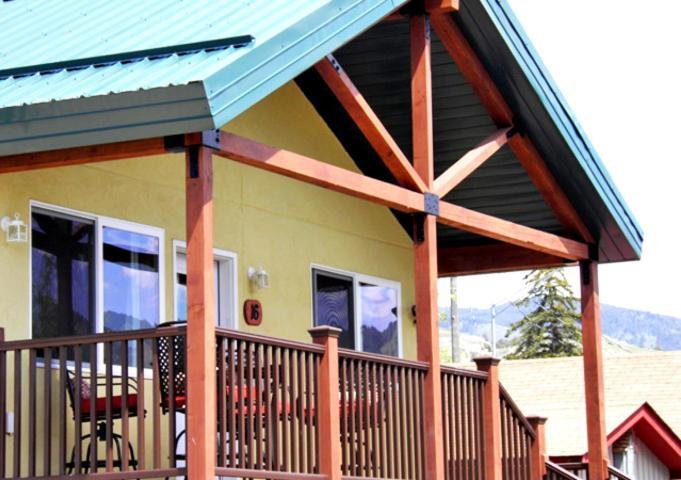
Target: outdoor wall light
x=15, y=229
x=259, y=278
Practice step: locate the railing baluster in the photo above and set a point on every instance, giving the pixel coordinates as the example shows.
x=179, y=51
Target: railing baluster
x=108, y=398
x=231, y=405
x=222, y=402
x=156, y=406
x=17, y=414
x=141, y=403
x=3, y=407
x=172, y=394
x=93, y=407
x=47, y=412
x=32, y=428
x=77, y=404
x=125, y=424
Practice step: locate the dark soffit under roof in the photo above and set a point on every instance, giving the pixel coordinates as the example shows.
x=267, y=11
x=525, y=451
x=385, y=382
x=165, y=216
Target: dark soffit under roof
x=378, y=63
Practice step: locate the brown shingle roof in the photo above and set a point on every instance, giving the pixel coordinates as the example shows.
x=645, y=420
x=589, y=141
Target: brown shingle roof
x=554, y=388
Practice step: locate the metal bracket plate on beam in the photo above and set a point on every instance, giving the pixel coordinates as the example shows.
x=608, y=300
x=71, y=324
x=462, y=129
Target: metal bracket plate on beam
x=206, y=138
x=431, y=204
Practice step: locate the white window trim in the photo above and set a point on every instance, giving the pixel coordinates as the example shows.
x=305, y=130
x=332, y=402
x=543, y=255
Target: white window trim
x=222, y=256
x=358, y=278
x=100, y=221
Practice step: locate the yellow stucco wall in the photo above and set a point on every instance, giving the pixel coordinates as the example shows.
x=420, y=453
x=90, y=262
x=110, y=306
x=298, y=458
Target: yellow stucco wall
x=268, y=220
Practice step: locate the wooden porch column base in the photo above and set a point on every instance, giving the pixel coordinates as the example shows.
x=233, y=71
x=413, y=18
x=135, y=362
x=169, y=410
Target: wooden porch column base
x=201, y=378
x=491, y=408
x=329, y=413
x=593, y=372
x=538, y=449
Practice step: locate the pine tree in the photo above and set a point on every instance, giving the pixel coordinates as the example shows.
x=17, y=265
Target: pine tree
x=552, y=328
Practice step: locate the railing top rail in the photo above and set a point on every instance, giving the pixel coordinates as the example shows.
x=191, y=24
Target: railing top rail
x=516, y=410
x=275, y=342
x=463, y=372
x=561, y=471
x=92, y=338
x=385, y=359
x=618, y=474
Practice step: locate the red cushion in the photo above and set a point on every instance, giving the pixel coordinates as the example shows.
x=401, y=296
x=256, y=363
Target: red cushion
x=116, y=404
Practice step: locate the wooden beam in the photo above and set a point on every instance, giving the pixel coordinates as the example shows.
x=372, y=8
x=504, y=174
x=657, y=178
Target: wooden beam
x=79, y=155
x=593, y=373
x=201, y=401
x=422, y=99
x=369, y=124
x=470, y=162
x=492, y=258
x=513, y=233
x=442, y=6
x=425, y=249
x=318, y=173
x=477, y=76
x=548, y=187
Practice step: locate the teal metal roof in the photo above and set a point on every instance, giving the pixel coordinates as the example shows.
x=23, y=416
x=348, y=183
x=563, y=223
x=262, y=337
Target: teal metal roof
x=52, y=106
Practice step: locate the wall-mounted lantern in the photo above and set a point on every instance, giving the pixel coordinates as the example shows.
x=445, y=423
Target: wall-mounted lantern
x=259, y=278
x=15, y=229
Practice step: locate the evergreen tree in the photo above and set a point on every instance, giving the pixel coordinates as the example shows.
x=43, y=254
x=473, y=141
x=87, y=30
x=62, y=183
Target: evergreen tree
x=552, y=328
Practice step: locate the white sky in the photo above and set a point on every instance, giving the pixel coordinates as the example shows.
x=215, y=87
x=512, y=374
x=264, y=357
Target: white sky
x=617, y=62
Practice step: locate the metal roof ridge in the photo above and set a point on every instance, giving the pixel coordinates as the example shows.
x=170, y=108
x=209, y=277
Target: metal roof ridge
x=127, y=57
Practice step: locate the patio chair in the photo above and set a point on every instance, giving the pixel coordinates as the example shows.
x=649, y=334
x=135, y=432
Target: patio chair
x=87, y=397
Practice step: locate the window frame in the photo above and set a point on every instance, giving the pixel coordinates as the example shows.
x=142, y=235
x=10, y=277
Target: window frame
x=99, y=221
x=223, y=257
x=357, y=279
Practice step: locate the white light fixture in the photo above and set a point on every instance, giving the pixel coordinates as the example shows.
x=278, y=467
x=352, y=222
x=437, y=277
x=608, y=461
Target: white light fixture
x=259, y=278
x=15, y=229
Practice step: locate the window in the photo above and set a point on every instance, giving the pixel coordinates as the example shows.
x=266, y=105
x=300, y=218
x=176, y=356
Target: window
x=63, y=273
x=224, y=268
x=366, y=309
x=93, y=274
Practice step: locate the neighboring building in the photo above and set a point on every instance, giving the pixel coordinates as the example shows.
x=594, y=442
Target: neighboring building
x=643, y=409
x=211, y=165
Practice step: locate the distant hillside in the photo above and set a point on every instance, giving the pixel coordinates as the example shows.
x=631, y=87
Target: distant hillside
x=643, y=329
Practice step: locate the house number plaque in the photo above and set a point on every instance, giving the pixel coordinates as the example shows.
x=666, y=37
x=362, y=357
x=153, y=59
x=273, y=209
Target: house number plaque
x=253, y=312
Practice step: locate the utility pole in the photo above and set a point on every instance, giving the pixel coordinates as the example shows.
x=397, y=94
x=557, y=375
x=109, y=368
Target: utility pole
x=454, y=321
x=493, y=336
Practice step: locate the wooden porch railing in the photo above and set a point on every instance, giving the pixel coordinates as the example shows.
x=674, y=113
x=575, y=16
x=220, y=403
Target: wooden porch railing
x=126, y=391
x=516, y=439
x=462, y=410
x=267, y=416
x=381, y=401
x=88, y=404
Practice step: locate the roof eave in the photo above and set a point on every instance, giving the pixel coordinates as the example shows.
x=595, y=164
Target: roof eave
x=104, y=119
x=268, y=66
x=549, y=95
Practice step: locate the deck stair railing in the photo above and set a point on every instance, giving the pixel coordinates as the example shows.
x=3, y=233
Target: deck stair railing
x=462, y=410
x=517, y=436
x=581, y=471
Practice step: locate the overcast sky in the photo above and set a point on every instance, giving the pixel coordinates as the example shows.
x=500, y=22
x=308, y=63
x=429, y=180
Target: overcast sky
x=617, y=64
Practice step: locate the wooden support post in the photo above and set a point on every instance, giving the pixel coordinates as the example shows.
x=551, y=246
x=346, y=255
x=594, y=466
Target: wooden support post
x=491, y=410
x=201, y=377
x=425, y=249
x=593, y=372
x=329, y=413
x=538, y=451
